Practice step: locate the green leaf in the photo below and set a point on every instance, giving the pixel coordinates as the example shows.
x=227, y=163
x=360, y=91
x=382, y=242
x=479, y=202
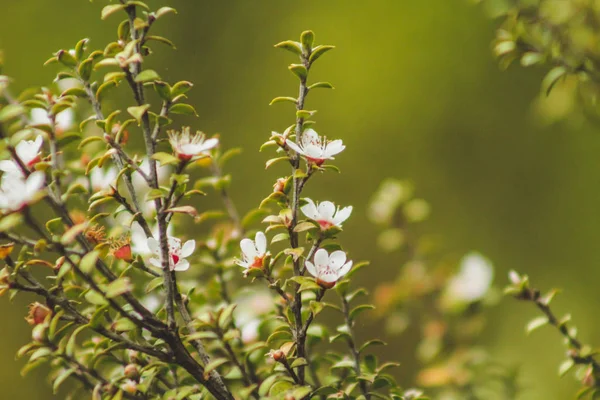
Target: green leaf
x=181, y=87
x=552, y=78
x=280, y=237
x=565, y=367
x=94, y=297
x=10, y=221
x=283, y=99
x=111, y=9
x=138, y=112
x=226, y=316
x=61, y=378
x=371, y=343
x=68, y=138
x=163, y=89
x=11, y=111
x=165, y=158
x=66, y=58
x=290, y=45
x=323, y=85
x=359, y=309
x=318, y=52
x=304, y=226
x=165, y=10
x=80, y=48
x=69, y=236
x=536, y=323
x=531, y=58
x=214, y=364
x=161, y=39
x=147, y=76
x=307, y=38
x=274, y=161
x=118, y=287
x=88, y=262
x=100, y=93
x=299, y=70
x=182, y=108
x=71, y=343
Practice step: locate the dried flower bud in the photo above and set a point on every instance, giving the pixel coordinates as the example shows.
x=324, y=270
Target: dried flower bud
x=37, y=313
x=279, y=185
x=96, y=234
x=277, y=355
x=132, y=372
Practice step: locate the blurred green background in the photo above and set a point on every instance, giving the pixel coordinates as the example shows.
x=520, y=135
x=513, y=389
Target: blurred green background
x=419, y=96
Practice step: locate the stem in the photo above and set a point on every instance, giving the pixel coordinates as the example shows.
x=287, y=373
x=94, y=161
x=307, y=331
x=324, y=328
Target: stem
x=227, y=202
x=351, y=343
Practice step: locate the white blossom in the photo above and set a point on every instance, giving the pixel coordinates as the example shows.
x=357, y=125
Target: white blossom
x=315, y=148
x=28, y=152
x=64, y=119
x=16, y=192
x=253, y=251
x=187, y=146
x=326, y=213
x=177, y=253
x=472, y=281
x=328, y=268
x=101, y=179
x=139, y=240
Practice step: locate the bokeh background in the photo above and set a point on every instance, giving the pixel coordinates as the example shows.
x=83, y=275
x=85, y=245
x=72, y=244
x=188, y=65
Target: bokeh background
x=419, y=96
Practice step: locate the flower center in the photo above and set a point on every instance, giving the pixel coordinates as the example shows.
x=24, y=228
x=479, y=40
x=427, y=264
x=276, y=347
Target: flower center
x=317, y=161
x=36, y=160
x=324, y=224
x=175, y=258
x=257, y=263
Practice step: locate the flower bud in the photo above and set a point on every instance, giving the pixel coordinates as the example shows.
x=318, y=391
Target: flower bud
x=132, y=372
x=279, y=185
x=133, y=355
x=37, y=313
x=277, y=355
x=122, y=251
x=129, y=386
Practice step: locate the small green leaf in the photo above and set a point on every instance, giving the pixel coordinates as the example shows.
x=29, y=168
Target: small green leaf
x=88, y=262
x=274, y=161
x=165, y=10
x=11, y=111
x=111, y=9
x=147, y=76
x=299, y=70
x=318, y=52
x=181, y=87
x=290, y=45
x=283, y=99
x=536, y=323
x=552, y=78
x=61, y=378
x=214, y=364
x=118, y=287
x=138, y=112
x=324, y=85
x=359, y=309
x=182, y=108
x=565, y=367
x=66, y=58
x=165, y=158
x=307, y=38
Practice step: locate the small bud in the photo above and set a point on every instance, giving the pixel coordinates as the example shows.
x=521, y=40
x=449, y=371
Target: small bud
x=133, y=355
x=132, y=372
x=37, y=313
x=38, y=334
x=277, y=355
x=59, y=263
x=588, y=379
x=129, y=386
x=4, y=281
x=279, y=186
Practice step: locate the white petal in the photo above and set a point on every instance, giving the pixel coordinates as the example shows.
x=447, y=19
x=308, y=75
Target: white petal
x=188, y=248
x=310, y=136
x=309, y=209
x=328, y=278
x=182, y=265
x=156, y=262
x=39, y=140
x=337, y=259
x=210, y=144
x=342, y=215
x=294, y=146
x=311, y=269
x=344, y=270
x=153, y=245
x=248, y=249
x=334, y=148
x=9, y=166
x=321, y=259
x=35, y=182
x=313, y=151
x=260, y=240
x=39, y=116
x=326, y=210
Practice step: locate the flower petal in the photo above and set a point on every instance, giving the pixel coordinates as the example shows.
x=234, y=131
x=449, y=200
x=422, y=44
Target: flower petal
x=34, y=182
x=294, y=146
x=337, y=259
x=342, y=215
x=153, y=245
x=321, y=259
x=260, y=241
x=326, y=210
x=188, y=248
x=156, y=262
x=248, y=249
x=310, y=209
x=182, y=265
x=334, y=148
x=344, y=270
x=210, y=144
x=311, y=269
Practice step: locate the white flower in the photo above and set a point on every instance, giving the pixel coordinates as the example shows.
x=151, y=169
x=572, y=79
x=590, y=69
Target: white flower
x=177, y=253
x=101, y=179
x=139, y=240
x=17, y=192
x=187, y=146
x=28, y=152
x=253, y=251
x=472, y=281
x=64, y=120
x=328, y=269
x=326, y=214
x=315, y=148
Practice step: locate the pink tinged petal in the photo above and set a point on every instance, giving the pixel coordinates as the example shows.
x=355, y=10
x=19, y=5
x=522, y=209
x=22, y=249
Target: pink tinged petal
x=310, y=209
x=334, y=148
x=260, y=240
x=153, y=246
x=321, y=259
x=182, y=265
x=188, y=248
x=294, y=146
x=248, y=249
x=344, y=270
x=328, y=277
x=326, y=210
x=342, y=215
x=311, y=269
x=310, y=136
x=337, y=259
